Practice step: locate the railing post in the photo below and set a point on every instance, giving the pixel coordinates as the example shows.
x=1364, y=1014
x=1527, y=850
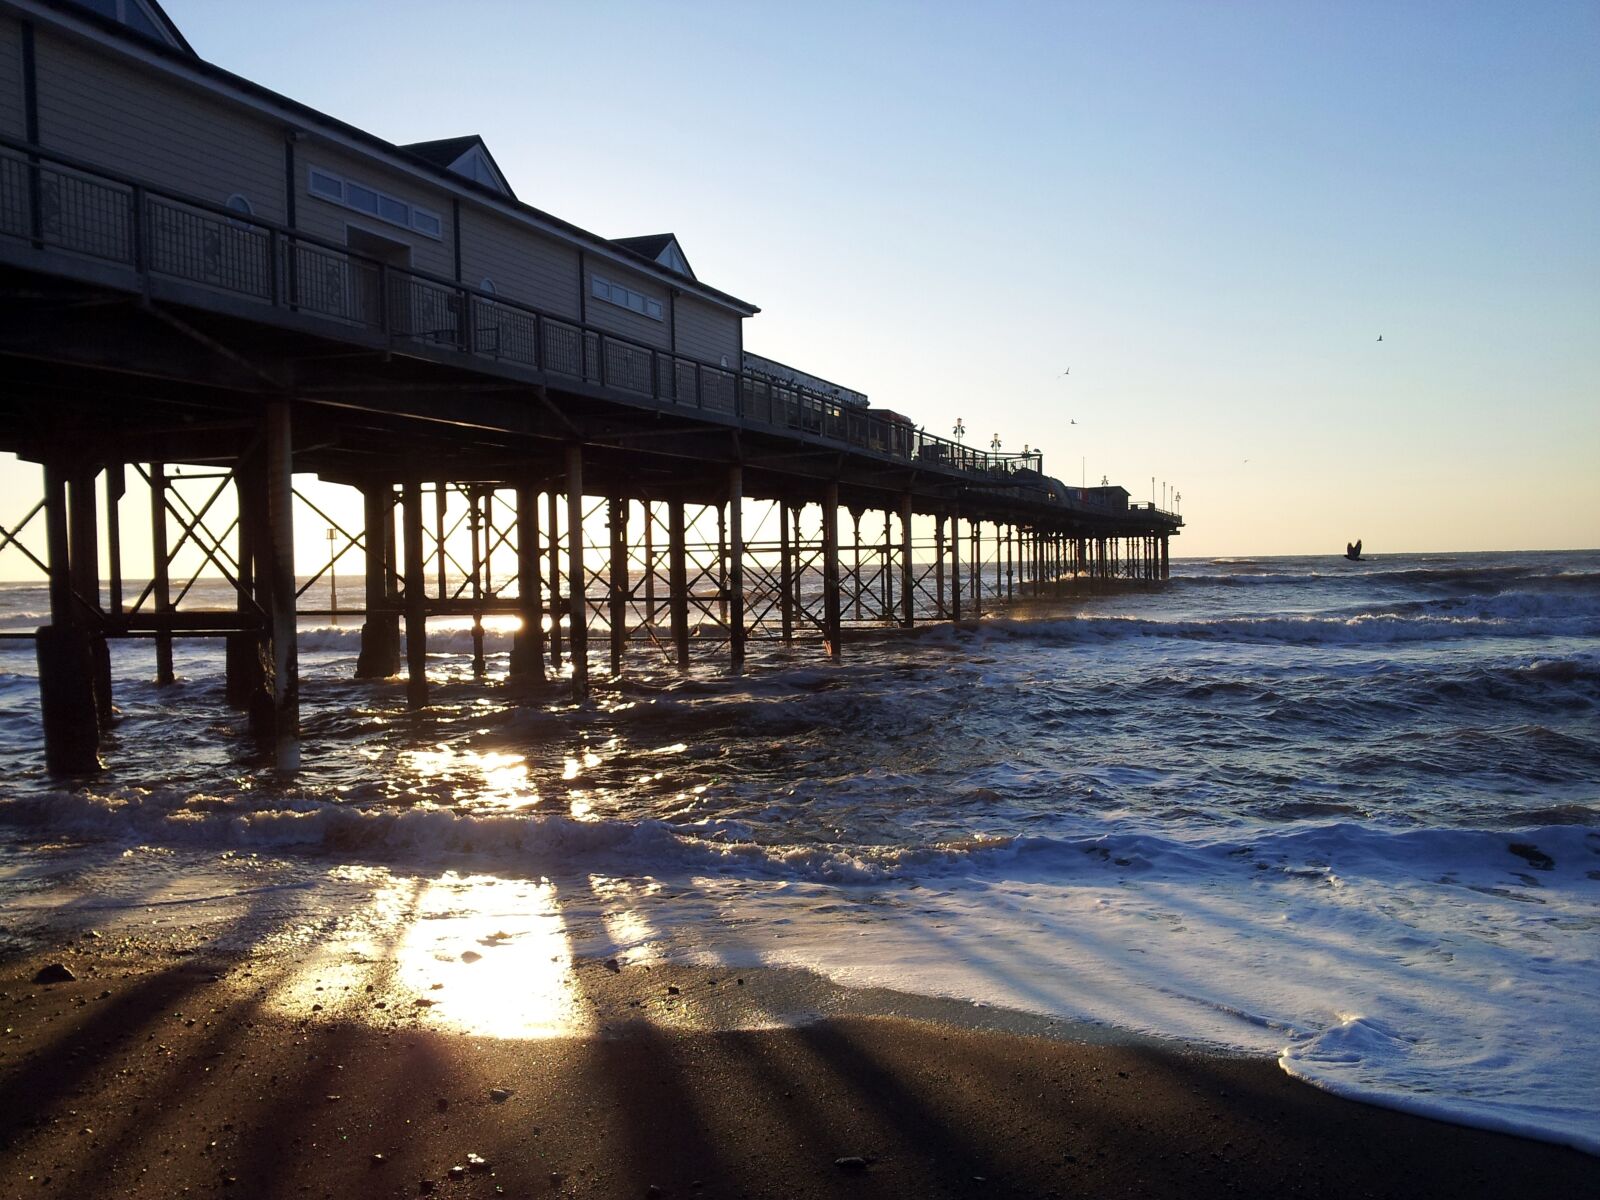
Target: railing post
x=274, y=281
x=136, y=230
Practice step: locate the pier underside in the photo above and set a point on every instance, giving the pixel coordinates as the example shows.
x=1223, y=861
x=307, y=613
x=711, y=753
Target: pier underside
x=613, y=519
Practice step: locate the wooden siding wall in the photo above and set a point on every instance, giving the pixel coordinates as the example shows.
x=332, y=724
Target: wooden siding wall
x=707, y=333
x=13, y=120
x=616, y=319
x=325, y=219
x=524, y=266
x=113, y=113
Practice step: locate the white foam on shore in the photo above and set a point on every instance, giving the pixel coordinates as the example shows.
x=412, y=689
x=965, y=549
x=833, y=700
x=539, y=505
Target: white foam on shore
x=1446, y=972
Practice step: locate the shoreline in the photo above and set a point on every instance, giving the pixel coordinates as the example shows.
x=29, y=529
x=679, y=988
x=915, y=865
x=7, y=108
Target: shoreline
x=227, y=1072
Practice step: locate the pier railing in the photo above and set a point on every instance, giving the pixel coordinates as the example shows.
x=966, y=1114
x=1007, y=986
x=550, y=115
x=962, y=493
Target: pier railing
x=62, y=204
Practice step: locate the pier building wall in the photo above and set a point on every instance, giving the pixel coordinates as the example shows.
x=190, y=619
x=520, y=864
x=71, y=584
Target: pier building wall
x=535, y=270
x=710, y=334
x=119, y=114
x=13, y=122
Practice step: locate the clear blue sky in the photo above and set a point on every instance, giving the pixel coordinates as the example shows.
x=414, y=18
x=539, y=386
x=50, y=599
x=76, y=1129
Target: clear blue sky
x=1208, y=211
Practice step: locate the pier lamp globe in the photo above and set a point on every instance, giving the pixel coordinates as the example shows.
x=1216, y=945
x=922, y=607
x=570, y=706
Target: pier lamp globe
x=960, y=430
x=994, y=443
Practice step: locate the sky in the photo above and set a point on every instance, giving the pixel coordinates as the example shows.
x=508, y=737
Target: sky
x=1207, y=212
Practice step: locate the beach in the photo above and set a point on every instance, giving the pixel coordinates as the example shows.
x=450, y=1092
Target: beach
x=161, y=1074
x=1276, y=879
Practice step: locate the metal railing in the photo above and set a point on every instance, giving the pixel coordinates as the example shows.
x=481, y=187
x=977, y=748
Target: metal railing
x=58, y=203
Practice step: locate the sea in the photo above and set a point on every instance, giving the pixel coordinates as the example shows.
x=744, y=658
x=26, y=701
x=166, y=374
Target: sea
x=1345, y=814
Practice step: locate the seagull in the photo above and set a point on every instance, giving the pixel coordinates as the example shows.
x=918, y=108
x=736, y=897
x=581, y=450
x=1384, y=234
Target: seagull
x=1068, y=371
x=1380, y=337
x=1072, y=422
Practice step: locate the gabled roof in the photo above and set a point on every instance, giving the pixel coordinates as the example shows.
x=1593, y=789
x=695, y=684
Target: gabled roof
x=467, y=157
x=660, y=248
x=146, y=19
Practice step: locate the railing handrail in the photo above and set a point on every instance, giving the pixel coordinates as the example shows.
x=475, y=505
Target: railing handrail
x=834, y=419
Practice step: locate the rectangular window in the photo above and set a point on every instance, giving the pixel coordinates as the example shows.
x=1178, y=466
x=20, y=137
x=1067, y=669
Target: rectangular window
x=362, y=199
x=622, y=297
x=327, y=186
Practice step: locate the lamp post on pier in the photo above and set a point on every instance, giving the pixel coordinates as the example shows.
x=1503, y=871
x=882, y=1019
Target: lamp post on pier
x=333, y=578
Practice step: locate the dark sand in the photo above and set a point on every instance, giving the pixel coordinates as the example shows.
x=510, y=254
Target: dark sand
x=169, y=1074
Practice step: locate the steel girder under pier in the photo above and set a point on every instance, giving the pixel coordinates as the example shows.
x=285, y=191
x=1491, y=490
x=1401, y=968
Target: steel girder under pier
x=608, y=527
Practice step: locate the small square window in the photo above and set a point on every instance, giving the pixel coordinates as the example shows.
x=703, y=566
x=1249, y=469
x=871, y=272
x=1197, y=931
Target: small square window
x=652, y=309
x=427, y=222
x=394, y=210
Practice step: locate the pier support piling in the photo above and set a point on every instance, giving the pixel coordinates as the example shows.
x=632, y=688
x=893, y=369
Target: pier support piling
x=278, y=572
x=577, y=581
x=415, y=596
x=678, y=580
x=380, y=632
x=735, y=592
x=832, y=618
x=527, y=646
x=617, y=596
x=66, y=666
x=907, y=576
x=785, y=572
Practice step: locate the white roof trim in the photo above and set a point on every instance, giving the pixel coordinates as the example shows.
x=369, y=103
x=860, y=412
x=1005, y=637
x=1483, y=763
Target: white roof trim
x=466, y=165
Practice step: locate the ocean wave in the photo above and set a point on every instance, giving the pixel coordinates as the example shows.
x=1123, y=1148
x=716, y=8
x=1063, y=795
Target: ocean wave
x=543, y=844
x=1352, y=629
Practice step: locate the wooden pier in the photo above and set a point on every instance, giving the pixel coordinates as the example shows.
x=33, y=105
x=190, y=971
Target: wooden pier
x=159, y=345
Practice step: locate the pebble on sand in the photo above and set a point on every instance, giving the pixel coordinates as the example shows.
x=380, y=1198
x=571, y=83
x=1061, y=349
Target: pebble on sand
x=55, y=973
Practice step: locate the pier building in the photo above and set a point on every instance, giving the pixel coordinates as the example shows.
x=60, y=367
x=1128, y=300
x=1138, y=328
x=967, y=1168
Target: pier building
x=210, y=289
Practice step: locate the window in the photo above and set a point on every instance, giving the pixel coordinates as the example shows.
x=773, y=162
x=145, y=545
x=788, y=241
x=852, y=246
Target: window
x=487, y=285
x=325, y=185
x=239, y=203
x=622, y=297
x=329, y=187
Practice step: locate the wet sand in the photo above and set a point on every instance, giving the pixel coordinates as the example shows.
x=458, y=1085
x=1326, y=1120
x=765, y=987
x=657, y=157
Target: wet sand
x=159, y=1073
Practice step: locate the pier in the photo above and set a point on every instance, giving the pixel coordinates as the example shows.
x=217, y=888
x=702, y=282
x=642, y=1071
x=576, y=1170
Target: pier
x=577, y=461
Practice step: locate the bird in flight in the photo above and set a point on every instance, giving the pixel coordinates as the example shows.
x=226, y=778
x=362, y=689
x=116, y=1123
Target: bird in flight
x=1072, y=422
x=1068, y=371
x=1380, y=337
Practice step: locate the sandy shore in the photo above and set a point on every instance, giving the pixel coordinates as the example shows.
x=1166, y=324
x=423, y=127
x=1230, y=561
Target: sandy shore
x=174, y=1072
